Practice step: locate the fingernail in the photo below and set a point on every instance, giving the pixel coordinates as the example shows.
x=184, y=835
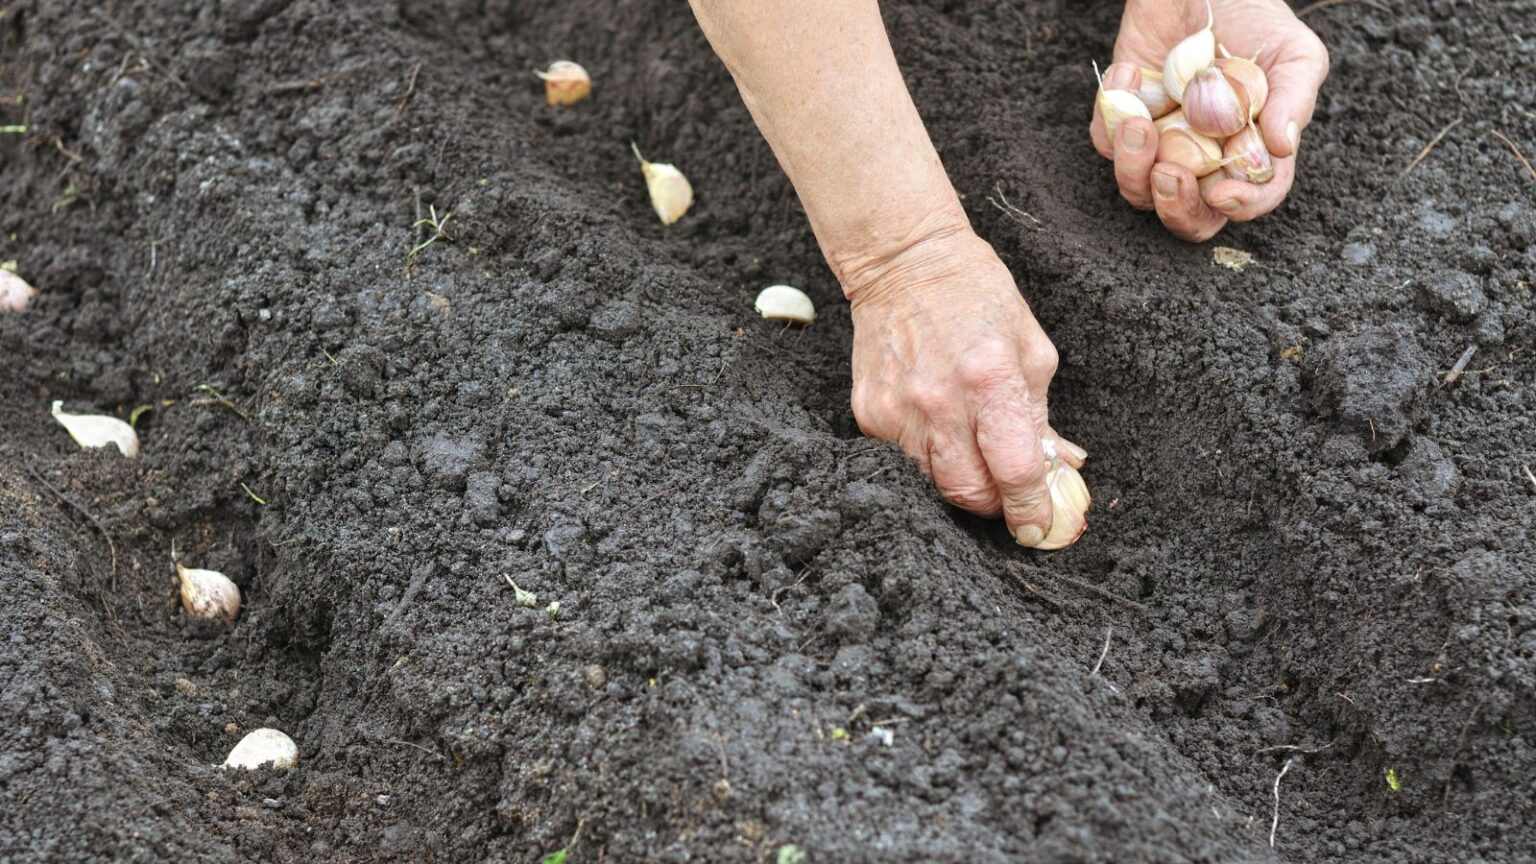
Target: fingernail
x=1030, y=535
x=1293, y=135
x=1227, y=205
x=1077, y=452
x=1118, y=76
x=1134, y=137
x=1166, y=185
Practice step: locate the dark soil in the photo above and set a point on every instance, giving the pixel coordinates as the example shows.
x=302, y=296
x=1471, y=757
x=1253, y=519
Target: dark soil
x=1306, y=548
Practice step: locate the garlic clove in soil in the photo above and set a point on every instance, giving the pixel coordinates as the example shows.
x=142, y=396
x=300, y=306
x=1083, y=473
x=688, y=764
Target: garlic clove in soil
x=261, y=748
x=1069, y=502
x=1154, y=95
x=1248, y=80
x=1212, y=106
x=15, y=294
x=784, y=303
x=1247, y=158
x=208, y=593
x=565, y=83
x=96, y=430
x=1194, y=53
x=1117, y=105
x=671, y=193
x=1181, y=145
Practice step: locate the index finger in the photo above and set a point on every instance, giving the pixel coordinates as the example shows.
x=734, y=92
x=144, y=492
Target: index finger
x=1010, y=444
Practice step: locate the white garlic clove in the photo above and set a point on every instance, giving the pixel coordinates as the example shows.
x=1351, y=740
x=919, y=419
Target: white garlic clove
x=1194, y=53
x=1117, y=105
x=1181, y=145
x=783, y=303
x=1069, y=505
x=208, y=593
x=565, y=83
x=1154, y=95
x=1212, y=106
x=671, y=193
x=96, y=430
x=261, y=748
x=15, y=293
x=1248, y=79
x=1247, y=158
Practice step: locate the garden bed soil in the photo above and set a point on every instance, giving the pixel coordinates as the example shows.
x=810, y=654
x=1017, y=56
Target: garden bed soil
x=1308, y=552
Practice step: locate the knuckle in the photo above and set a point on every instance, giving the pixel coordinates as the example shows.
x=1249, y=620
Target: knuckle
x=974, y=497
x=1041, y=358
x=927, y=398
x=987, y=365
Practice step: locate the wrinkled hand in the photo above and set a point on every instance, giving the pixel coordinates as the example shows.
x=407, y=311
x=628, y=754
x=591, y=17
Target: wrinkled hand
x=1291, y=56
x=949, y=362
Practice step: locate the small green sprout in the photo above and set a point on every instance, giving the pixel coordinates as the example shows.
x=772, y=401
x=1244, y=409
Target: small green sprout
x=1393, y=782
x=13, y=130
x=557, y=857
x=135, y=414
x=254, y=497
x=789, y=853
x=526, y=599
x=439, y=232
x=839, y=733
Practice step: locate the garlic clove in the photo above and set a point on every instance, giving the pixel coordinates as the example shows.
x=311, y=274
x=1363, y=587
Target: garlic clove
x=1181, y=145
x=671, y=193
x=1247, y=79
x=565, y=83
x=1212, y=106
x=783, y=303
x=1194, y=53
x=1247, y=158
x=208, y=593
x=15, y=293
x=1117, y=105
x=1069, y=505
x=1154, y=95
x=96, y=430
x=261, y=748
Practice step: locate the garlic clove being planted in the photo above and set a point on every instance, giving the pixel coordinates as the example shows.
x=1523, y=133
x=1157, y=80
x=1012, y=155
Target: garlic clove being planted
x=1181, y=145
x=783, y=303
x=671, y=193
x=565, y=83
x=1212, y=106
x=1117, y=105
x=1194, y=53
x=1248, y=80
x=1247, y=158
x=208, y=593
x=1153, y=94
x=15, y=293
x=261, y=748
x=96, y=430
x=1069, y=501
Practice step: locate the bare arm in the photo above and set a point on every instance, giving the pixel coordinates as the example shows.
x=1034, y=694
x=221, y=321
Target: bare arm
x=822, y=83
x=948, y=360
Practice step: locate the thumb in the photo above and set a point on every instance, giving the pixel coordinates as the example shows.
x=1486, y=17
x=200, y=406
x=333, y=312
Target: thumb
x=1293, y=86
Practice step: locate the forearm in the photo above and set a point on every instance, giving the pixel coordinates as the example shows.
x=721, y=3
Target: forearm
x=822, y=83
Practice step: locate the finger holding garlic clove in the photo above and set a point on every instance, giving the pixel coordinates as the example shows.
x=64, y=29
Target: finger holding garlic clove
x=1117, y=105
x=1069, y=501
x=565, y=83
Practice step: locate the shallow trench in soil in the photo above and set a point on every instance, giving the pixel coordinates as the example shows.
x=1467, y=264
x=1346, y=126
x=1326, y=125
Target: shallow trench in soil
x=1308, y=552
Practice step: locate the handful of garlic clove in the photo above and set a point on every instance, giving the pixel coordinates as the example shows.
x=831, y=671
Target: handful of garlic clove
x=1207, y=106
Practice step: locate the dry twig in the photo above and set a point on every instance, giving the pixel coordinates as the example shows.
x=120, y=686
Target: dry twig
x=1452, y=376
x=1515, y=150
x=1430, y=147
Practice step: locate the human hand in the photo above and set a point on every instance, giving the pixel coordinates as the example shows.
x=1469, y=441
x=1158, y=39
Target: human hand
x=1296, y=64
x=949, y=362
